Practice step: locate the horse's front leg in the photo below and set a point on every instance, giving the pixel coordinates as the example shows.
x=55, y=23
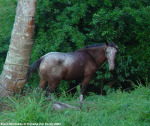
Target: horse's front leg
x=83, y=89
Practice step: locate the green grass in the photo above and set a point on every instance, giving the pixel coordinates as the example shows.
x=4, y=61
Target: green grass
x=116, y=109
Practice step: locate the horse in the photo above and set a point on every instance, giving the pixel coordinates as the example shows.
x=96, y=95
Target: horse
x=80, y=64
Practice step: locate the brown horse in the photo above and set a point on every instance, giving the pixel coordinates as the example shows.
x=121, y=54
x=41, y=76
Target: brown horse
x=81, y=64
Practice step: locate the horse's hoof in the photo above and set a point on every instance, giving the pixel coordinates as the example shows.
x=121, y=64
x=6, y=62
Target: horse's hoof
x=57, y=106
x=80, y=106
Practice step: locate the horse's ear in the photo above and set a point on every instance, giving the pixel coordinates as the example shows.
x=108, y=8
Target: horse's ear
x=106, y=43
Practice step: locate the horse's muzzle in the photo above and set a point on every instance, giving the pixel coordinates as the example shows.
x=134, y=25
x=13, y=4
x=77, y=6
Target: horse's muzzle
x=111, y=67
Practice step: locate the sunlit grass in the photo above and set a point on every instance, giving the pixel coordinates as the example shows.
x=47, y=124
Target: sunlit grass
x=117, y=109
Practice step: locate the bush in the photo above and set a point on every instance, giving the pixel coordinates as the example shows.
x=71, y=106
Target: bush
x=7, y=14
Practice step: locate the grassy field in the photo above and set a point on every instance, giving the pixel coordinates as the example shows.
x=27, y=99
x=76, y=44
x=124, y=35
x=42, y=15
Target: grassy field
x=115, y=109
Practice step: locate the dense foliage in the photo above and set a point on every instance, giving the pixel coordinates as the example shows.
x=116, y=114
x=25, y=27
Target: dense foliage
x=7, y=14
x=67, y=25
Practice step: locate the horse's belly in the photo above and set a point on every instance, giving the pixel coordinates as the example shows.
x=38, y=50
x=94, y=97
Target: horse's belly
x=72, y=77
x=73, y=73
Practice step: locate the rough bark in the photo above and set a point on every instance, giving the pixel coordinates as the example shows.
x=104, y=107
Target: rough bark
x=16, y=64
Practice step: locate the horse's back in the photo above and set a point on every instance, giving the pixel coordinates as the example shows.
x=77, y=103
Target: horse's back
x=57, y=58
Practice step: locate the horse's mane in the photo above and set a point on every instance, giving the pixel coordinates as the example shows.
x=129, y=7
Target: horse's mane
x=112, y=44
x=95, y=45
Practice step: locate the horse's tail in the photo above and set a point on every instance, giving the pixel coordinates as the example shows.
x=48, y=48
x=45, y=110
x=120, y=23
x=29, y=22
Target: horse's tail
x=33, y=67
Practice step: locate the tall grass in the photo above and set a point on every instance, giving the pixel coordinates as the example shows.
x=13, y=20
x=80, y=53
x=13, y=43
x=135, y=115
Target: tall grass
x=116, y=109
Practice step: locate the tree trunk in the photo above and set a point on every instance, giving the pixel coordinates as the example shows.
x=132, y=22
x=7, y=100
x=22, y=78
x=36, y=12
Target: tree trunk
x=16, y=64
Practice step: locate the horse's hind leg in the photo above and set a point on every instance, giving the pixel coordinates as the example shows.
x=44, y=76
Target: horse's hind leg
x=42, y=84
x=52, y=85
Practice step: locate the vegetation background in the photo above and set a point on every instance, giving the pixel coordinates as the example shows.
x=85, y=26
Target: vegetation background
x=67, y=25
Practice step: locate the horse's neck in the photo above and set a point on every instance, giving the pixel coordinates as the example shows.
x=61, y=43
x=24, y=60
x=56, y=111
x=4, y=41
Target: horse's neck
x=98, y=53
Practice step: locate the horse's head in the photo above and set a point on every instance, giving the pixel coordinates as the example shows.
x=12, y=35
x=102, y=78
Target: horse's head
x=111, y=51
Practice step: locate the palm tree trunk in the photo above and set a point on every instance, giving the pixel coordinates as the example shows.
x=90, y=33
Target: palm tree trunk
x=16, y=64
